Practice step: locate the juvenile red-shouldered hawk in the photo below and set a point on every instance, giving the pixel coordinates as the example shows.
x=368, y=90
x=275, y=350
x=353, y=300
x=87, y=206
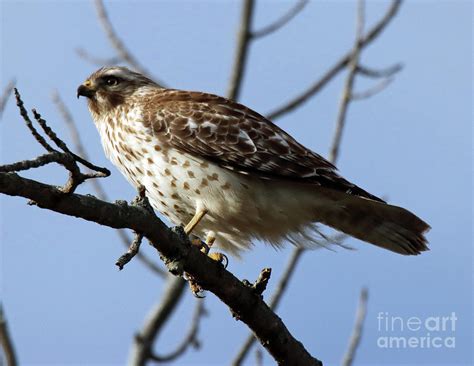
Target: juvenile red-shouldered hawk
x=230, y=171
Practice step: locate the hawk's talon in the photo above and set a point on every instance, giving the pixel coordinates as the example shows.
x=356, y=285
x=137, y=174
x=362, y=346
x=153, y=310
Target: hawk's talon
x=219, y=257
x=195, y=288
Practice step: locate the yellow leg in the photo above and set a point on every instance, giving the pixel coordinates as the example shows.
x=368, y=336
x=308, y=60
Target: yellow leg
x=217, y=256
x=194, y=221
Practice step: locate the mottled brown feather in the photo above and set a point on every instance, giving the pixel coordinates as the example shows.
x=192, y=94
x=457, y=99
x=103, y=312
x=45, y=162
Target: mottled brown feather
x=238, y=138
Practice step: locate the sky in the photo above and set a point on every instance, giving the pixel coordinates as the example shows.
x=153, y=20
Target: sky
x=66, y=302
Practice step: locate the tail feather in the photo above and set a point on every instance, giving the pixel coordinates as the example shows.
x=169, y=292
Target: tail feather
x=390, y=227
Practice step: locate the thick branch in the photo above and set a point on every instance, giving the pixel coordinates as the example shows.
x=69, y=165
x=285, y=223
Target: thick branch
x=275, y=300
x=178, y=255
x=243, y=43
x=338, y=67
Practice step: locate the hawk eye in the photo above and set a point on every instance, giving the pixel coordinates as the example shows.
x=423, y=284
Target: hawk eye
x=111, y=80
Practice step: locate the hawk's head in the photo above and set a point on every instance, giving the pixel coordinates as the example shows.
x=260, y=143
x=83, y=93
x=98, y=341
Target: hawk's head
x=108, y=87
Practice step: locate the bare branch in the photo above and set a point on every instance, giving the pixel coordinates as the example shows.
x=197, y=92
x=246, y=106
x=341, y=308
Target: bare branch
x=101, y=172
x=338, y=67
x=82, y=53
x=140, y=201
x=282, y=21
x=261, y=283
x=41, y=140
x=179, y=256
x=380, y=73
x=6, y=342
x=131, y=252
x=273, y=303
x=243, y=43
x=6, y=94
x=358, y=328
x=118, y=44
x=156, y=320
x=377, y=88
x=349, y=83
x=190, y=338
x=42, y=160
x=258, y=357
x=79, y=147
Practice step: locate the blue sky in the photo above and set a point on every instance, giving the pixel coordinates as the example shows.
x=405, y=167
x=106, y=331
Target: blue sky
x=67, y=303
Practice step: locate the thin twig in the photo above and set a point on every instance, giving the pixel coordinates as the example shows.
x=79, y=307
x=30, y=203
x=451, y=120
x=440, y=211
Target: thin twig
x=41, y=140
x=97, y=186
x=101, y=172
x=6, y=94
x=379, y=73
x=377, y=88
x=349, y=83
x=82, y=53
x=282, y=21
x=39, y=161
x=261, y=283
x=67, y=159
x=243, y=43
x=141, y=200
x=6, y=342
x=258, y=357
x=338, y=67
x=132, y=251
x=358, y=328
x=156, y=320
x=190, y=339
x=118, y=44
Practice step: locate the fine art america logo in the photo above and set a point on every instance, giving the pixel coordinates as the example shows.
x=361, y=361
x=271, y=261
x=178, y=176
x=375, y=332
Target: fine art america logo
x=414, y=332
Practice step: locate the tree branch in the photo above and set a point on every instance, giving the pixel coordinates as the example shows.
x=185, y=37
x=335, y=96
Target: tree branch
x=190, y=338
x=349, y=84
x=243, y=42
x=82, y=53
x=380, y=73
x=6, y=342
x=118, y=44
x=6, y=94
x=179, y=256
x=368, y=93
x=358, y=327
x=282, y=21
x=273, y=303
x=142, y=346
x=338, y=67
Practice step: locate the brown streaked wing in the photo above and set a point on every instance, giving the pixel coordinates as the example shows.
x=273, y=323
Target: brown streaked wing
x=237, y=138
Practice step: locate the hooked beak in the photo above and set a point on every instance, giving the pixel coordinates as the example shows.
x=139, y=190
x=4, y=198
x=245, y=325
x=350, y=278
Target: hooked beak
x=86, y=90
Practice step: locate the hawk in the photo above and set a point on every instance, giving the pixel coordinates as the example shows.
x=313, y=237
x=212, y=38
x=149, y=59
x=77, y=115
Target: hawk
x=231, y=173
